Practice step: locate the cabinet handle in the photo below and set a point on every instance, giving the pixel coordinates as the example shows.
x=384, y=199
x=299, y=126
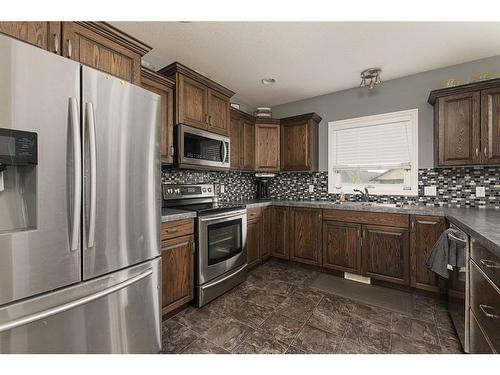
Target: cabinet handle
x=477, y=151
x=70, y=48
x=490, y=314
x=206, y=118
x=489, y=263
x=171, y=230
x=56, y=43
x=210, y=120
x=413, y=226
x=485, y=151
x=171, y=150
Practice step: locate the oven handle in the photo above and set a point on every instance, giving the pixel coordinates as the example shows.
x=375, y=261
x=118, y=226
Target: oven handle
x=456, y=239
x=223, y=216
x=238, y=270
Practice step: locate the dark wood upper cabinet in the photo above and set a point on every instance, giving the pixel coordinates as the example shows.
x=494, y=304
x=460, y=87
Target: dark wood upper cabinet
x=425, y=231
x=177, y=258
x=102, y=46
x=247, y=144
x=267, y=145
x=342, y=246
x=43, y=34
x=281, y=248
x=490, y=125
x=199, y=101
x=299, y=142
x=386, y=254
x=467, y=123
x=164, y=87
x=458, y=129
x=305, y=233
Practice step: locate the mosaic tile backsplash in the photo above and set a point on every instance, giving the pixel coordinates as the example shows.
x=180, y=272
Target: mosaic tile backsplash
x=455, y=186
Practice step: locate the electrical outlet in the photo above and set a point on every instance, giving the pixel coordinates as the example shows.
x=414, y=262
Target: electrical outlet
x=430, y=191
x=222, y=188
x=311, y=188
x=480, y=191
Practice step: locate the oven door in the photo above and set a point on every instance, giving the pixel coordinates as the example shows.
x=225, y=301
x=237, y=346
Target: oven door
x=221, y=244
x=202, y=149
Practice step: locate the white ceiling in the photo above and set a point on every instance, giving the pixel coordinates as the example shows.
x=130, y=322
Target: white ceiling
x=311, y=58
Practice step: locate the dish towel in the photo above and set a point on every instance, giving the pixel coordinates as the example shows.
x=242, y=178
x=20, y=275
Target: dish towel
x=448, y=253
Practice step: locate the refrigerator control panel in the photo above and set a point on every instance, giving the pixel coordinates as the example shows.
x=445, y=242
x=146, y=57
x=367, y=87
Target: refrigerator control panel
x=18, y=147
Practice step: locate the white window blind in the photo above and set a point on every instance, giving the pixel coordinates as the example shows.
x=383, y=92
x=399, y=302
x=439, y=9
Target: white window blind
x=373, y=146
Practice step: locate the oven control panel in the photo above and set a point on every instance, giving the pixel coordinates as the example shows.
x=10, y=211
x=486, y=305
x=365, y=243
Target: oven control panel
x=170, y=191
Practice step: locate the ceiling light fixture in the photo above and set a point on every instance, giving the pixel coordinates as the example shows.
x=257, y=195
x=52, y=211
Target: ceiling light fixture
x=370, y=77
x=268, y=81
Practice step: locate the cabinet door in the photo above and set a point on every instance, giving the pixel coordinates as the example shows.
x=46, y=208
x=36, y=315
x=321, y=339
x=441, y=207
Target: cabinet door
x=167, y=121
x=281, y=247
x=177, y=259
x=267, y=237
x=425, y=231
x=386, y=254
x=295, y=142
x=192, y=102
x=218, y=112
x=342, y=246
x=247, y=144
x=90, y=48
x=305, y=233
x=42, y=34
x=267, y=147
x=490, y=126
x=253, y=242
x=235, y=138
x=458, y=129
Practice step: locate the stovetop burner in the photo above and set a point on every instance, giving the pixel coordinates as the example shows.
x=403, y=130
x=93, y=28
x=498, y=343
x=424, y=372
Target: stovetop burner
x=210, y=208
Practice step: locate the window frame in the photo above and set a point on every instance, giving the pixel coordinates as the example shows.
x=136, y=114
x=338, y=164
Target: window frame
x=410, y=115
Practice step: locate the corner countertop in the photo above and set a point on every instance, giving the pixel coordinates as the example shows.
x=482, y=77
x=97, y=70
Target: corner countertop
x=481, y=223
x=169, y=214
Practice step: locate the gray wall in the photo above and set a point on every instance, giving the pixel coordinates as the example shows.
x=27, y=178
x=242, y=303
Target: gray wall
x=395, y=95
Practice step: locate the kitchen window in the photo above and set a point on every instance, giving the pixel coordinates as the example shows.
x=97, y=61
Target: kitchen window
x=378, y=152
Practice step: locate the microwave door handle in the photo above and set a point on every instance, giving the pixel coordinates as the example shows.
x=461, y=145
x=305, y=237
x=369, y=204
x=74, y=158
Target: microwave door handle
x=93, y=173
x=77, y=173
x=224, y=152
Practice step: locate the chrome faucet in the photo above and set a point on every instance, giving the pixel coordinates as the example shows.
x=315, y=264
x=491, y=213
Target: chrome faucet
x=364, y=195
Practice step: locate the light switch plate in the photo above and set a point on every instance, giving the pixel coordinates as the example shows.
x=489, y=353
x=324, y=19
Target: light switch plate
x=311, y=188
x=430, y=191
x=222, y=188
x=480, y=191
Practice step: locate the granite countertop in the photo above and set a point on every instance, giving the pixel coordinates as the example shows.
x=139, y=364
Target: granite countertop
x=169, y=214
x=481, y=223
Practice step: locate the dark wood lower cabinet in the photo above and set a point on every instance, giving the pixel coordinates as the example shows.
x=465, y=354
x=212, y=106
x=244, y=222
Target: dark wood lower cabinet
x=386, y=254
x=425, y=231
x=342, y=246
x=281, y=248
x=268, y=233
x=253, y=242
x=305, y=229
x=177, y=258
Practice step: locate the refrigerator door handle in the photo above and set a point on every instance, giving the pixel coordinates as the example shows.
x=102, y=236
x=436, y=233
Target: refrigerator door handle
x=89, y=107
x=77, y=174
x=73, y=304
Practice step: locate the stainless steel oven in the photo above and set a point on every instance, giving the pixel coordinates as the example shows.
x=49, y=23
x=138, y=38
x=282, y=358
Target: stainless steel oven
x=201, y=149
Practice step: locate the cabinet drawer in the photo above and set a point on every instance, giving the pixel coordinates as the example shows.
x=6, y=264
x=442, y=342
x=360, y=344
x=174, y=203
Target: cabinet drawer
x=372, y=218
x=254, y=213
x=485, y=304
x=478, y=343
x=172, y=229
x=487, y=261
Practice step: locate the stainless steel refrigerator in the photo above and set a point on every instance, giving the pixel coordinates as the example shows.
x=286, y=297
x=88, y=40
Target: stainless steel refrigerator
x=79, y=208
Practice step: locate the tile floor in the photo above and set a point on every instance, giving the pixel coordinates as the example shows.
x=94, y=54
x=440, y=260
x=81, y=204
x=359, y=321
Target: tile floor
x=275, y=311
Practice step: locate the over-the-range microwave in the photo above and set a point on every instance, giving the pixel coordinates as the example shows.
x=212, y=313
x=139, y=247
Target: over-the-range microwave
x=200, y=149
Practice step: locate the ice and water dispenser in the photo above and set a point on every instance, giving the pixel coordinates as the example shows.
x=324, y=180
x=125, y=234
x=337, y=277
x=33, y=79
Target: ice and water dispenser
x=18, y=180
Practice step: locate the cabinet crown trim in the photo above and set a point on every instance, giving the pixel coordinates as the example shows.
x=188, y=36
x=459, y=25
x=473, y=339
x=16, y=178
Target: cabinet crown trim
x=304, y=117
x=152, y=75
x=110, y=32
x=177, y=67
x=474, y=86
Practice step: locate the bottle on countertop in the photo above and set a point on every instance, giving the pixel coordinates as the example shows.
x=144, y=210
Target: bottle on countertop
x=342, y=197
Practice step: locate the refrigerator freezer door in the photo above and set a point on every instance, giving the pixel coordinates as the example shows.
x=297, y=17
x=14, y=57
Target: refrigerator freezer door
x=121, y=142
x=40, y=204
x=116, y=313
